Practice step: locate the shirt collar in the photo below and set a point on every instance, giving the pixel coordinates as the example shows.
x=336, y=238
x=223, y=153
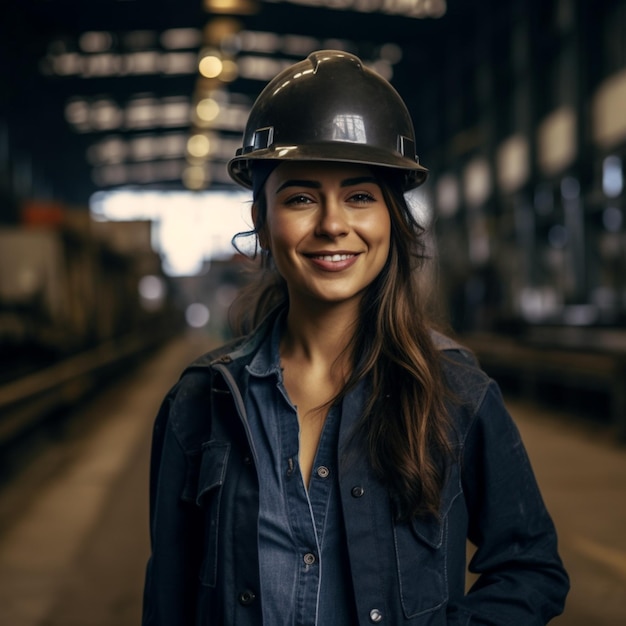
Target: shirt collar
x=266, y=361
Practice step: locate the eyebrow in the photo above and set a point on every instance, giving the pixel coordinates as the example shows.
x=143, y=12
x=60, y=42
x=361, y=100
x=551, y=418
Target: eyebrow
x=313, y=184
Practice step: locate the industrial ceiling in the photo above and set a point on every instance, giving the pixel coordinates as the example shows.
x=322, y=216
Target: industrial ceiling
x=97, y=94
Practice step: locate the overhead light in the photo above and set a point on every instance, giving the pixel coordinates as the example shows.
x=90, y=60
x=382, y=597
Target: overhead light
x=95, y=41
x=175, y=111
x=259, y=41
x=231, y=117
x=419, y=9
x=232, y=7
x=141, y=112
x=178, y=63
x=230, y=71
x=143, y=148
x=198, y=146
x=67, y=64
x=111, y=150
x=142, y=62
x=181, y=38
x=105, y=115
x=210, y=66
x=77, y=113
x=391, y=52
x=97, y=65
x=194, y=177
x=173, y=145
x=260, y=68
x=207, y=109
x=219, y=29
x=299, y=45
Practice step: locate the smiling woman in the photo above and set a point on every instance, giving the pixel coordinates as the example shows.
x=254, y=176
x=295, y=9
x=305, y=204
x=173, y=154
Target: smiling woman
x=327, y=229
x=329, y=467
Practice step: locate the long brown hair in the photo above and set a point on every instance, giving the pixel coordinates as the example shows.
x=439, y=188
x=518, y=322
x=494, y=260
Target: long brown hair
x=405, y=426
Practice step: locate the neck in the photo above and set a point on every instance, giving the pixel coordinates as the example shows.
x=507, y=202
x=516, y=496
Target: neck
x=319, y=334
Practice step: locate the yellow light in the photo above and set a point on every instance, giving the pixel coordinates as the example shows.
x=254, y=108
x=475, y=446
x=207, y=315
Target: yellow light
x=232, y=7
x=210, y=66
x=194, y=177
x=198, y=146
x=207, y=109
x=220, y=28
x=230, y=71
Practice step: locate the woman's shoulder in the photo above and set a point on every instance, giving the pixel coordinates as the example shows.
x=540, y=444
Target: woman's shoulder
x=186, y=407
x=462, y=372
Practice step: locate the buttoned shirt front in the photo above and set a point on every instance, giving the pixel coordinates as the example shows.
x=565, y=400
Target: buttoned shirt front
x=303, y=560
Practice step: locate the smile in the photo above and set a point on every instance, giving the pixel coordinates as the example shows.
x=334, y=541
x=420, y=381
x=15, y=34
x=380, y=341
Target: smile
x=333, y=258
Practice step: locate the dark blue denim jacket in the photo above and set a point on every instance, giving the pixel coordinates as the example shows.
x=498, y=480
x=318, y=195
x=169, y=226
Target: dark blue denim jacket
x=204, y=507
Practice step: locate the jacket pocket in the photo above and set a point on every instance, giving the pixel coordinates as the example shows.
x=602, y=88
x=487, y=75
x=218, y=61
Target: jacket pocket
x=212, y=473
x=422, y=555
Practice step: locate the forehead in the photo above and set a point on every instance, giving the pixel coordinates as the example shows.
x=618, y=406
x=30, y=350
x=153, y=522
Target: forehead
x=319, y=170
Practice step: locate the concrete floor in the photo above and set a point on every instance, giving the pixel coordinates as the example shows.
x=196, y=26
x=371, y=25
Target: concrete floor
x=582, y=475
x=73, y=521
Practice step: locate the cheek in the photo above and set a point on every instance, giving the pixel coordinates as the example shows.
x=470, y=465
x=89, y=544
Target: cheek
x=281, y=242
x=379, y=230
x=283, y=233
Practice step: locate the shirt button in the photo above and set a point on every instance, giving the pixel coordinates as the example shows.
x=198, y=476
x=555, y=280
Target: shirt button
x=309, y=558
x=290, y=467
x=247, y=597
x=323, y=471
x=376, y=616
x=357, y=492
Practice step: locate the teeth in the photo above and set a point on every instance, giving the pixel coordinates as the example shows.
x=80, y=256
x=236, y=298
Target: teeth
x=335, y=257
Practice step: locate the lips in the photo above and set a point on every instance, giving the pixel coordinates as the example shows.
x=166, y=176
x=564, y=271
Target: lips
x=332, y=258
x=333, y=262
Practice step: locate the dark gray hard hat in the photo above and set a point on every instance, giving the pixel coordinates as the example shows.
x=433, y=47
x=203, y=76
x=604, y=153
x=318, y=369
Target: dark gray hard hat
x=329, y=107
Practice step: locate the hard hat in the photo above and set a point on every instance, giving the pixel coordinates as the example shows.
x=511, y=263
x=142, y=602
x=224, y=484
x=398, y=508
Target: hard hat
x=329, y=107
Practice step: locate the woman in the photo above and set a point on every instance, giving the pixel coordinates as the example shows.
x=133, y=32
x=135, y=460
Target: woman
x=328, y=468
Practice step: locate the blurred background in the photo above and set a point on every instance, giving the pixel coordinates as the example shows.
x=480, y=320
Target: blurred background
x=117, y=118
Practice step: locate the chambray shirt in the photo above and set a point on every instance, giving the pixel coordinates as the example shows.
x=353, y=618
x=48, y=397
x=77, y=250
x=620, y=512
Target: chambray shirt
x=303, y=560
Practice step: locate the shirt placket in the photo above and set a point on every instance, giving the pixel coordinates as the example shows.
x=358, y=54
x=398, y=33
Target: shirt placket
x=307, y=516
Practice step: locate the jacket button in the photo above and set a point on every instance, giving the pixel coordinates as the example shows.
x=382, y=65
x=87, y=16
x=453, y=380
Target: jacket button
x=247, y=597
x=357, y=492
x=309, y=558
x=376, y=616
x=323, y=471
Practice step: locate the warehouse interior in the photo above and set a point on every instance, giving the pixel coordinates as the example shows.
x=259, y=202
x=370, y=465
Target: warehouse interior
x=117, y=120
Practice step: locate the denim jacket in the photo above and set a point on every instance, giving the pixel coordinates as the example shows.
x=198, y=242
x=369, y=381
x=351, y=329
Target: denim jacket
x=204, y=567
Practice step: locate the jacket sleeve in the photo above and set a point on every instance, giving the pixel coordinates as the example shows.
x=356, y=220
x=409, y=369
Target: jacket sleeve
x=172, y=572
x=521, y=577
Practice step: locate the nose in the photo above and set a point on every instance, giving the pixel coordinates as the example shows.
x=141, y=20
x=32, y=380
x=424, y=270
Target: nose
x=333, y=219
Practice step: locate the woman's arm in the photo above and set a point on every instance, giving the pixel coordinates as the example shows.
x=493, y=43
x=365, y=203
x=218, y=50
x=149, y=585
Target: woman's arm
x=171, y=581
x=521, y=577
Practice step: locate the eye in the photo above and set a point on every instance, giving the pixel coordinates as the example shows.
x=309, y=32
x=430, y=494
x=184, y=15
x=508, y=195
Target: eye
x=297, y=199
x=361, y=197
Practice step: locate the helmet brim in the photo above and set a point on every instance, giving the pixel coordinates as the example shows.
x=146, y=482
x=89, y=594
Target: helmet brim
x=239, y=168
